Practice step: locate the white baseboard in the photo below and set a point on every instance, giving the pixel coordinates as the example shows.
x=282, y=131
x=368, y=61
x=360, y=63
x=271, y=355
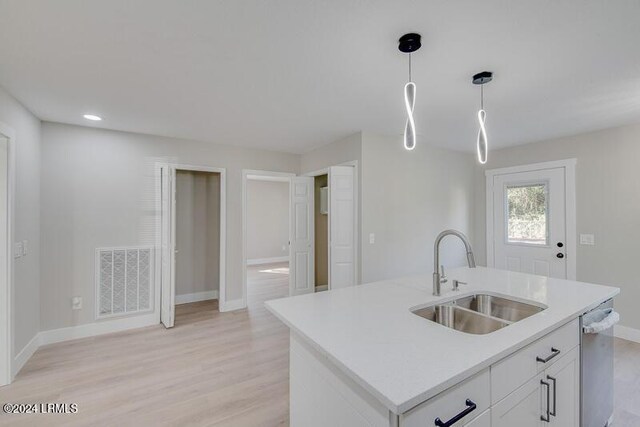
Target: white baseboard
x=195, y=297
x=97, y=328
x=321, y=288
x=260, y=261
x=236, y=304
x=25, y=354
x=627, y=333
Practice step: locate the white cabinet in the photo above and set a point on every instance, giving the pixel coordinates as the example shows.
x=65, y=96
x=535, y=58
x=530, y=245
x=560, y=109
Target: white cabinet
x=564, y=382
x=483, y=420
x=521, y=408
x=550, y=398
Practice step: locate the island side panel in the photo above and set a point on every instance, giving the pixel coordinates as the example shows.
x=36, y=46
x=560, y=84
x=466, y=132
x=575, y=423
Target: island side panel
x=323, y=396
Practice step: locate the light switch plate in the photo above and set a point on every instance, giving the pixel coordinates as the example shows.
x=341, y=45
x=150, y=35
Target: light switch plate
x=76, y=303
x=372, y=238
x=18, y=249
x=587, y=239
x=25, y=246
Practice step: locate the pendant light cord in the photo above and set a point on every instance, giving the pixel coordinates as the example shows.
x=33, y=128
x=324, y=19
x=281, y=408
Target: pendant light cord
x=409, y=66
x=482, y=96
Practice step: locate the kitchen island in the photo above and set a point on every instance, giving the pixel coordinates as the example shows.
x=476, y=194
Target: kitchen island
x=361, y=357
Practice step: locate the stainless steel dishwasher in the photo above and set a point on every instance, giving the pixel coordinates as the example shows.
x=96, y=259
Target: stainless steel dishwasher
x=596, y=365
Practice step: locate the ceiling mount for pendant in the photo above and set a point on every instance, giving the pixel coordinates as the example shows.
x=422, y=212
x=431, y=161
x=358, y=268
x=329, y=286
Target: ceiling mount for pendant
x=482, y=78
x=410, y=42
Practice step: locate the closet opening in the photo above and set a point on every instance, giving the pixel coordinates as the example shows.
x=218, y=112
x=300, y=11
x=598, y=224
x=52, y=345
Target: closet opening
x=321, y=222
x=197, y=246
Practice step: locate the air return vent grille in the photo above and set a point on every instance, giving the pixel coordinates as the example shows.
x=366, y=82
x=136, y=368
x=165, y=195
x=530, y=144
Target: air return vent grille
x=123, y=280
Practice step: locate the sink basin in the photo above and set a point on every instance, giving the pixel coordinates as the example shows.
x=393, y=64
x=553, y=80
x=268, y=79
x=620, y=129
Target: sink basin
x=500, y=307
x=478, y=314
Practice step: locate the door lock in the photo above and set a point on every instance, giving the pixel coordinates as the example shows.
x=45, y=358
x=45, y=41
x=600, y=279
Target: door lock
x=560, y=255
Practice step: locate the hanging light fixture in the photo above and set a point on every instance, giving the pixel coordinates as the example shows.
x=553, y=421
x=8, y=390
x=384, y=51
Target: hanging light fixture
x=407, y=44
x=482, y=145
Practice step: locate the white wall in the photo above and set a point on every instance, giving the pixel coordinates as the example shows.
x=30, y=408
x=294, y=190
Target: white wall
x=267, y=219
x=408, y=197
x=26, y=313
x=98, y=189
x=197, y=232
x=607, y=201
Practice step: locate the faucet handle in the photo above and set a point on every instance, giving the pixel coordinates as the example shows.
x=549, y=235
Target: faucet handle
x=443, y=277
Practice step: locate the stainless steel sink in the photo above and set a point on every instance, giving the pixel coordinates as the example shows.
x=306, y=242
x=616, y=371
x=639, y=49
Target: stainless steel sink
x=478, y=314
x=500, y=307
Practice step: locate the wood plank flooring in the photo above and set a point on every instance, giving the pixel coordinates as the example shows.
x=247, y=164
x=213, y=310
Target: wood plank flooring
x=212, y=369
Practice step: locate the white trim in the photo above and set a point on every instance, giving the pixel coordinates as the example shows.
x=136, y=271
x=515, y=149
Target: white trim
x=626, y=333
x=7, y=285
x=25, y=354
x=96, y=328
x=273, y=260
x=275, y=178
x=254, y=174
x=324, y=171
x=569, y=166
x=236, y=304
x=196, y=296
x=223, y=225
x=321, y=288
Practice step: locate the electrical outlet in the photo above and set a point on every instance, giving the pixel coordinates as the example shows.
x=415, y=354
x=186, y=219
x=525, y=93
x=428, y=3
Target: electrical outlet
x=372, y=238
x=76, y=303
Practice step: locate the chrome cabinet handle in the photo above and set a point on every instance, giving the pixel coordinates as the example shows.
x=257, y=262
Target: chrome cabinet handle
x=471, y=406
x=548, y=417
x=549, y=377
x=554, y=353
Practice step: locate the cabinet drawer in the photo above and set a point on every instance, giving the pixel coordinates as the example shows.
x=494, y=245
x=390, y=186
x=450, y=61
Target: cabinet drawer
x=513, y=371
x=452, y=402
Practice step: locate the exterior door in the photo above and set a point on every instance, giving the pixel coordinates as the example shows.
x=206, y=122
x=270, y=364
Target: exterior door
x=529, y=222
x=168, y=286
x=342, y=245
x=301, y=249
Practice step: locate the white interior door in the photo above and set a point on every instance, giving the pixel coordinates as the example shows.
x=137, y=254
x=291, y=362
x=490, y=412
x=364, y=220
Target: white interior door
x=5, y=298
x=342, y=247
x=168, y=306
x=301, y=249
x=529, y=222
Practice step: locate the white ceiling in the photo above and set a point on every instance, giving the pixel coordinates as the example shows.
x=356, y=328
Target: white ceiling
x=291, y=75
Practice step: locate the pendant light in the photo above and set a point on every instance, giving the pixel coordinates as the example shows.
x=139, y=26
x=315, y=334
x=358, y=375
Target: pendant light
x=407, y=44
x=482, y=145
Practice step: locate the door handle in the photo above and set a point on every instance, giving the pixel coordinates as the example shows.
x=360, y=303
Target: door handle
x=560, y=255
x=549, y=377
x=471, y=406
x=554, y=353
x=546, y=418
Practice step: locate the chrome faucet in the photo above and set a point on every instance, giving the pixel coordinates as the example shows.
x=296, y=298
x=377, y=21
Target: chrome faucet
x=437, y=278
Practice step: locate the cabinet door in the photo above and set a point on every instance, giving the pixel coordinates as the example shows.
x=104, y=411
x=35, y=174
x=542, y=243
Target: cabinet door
x=564, y=379
x=523, y=407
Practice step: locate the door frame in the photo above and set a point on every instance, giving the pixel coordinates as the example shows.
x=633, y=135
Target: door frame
x=7, y=361
x=258, y=175
x=569, y=166
x=165, y=231
x=356, y=207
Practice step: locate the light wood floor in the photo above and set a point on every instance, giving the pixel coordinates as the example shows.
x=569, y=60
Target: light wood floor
x=212, y=369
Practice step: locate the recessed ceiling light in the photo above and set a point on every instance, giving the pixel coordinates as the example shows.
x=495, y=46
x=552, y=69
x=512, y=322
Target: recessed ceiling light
x=92, y=117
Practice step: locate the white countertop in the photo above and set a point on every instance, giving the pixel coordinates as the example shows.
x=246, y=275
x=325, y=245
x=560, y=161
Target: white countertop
x=368, y=332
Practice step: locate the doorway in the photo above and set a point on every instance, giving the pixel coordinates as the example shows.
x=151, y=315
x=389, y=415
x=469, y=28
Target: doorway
x=266, y=219
x=531, y=219
x=193, y=240
x=321, y=232
x=6, y=258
